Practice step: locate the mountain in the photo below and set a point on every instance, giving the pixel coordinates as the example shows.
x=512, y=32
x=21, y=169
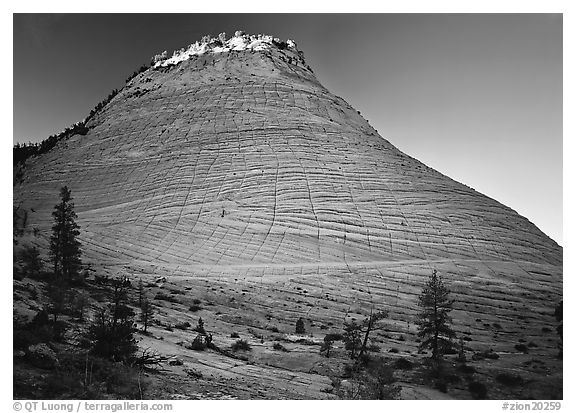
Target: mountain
x=229, y=167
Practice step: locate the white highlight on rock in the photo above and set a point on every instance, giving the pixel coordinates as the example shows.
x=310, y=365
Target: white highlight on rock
x=216, y=45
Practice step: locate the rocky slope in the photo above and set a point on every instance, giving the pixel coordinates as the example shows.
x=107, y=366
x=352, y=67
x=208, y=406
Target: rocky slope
x=238, y=168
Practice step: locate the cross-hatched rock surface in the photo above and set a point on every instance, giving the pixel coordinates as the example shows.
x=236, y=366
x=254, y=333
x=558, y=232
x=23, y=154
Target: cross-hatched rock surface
x=241, y=165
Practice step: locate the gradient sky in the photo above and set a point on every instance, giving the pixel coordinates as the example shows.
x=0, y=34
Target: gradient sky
x=477, y=97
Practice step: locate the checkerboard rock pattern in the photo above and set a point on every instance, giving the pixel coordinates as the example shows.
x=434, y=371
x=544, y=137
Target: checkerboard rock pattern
x=241, y=165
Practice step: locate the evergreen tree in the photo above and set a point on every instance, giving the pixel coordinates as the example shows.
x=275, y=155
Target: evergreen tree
x=369, y=325
x=64, y=247
x=112, y=330
x=32, y=263
x=147, y=314
x=200, y=327
x=141, y=293
x=434, y=322
x=300, y=326
x=356, y=336
x=352, y=337
x=558, y=314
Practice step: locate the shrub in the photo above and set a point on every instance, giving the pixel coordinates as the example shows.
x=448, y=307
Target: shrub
x=478, y=390
x=508, y=379
x=441, y=385
x=32, y=263
x=200, y=326
x=300, y=326
x=450, y=350
x=165, y=297
x=333, y=337
x=241, y=345
x=375, y=382
x=116, y=380
x=521, y=347
x=198, y=344
x=182, y=326
x=487, y=354
x=195, y=374
x=112, y=330
x=403, y=364
x=234, y=335
x=40, y=319
x=466, y=369
x=194, y=308
x=114, y=342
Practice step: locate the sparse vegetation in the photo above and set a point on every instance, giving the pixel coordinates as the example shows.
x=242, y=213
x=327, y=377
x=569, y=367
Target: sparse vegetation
x=478, y=390
x=403, y=364
x=521, y=347
x=373, y=382
x=200, y=326
x=32, y=264
x=509, y=379
x=194, y=308
x=183, y=325
x=112, y=330
x=486, y=354
x=558, y=314
x=198, y=344
x=165, y=297
x=329, y=340
x=22, y=151
x=300, y=329
x=147, y=313
x=356, y=335
x=241, y=345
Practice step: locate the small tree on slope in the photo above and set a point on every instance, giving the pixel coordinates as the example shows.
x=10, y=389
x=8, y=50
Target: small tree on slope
x=64, y=247
x=300, y=329
x=147, y=313
x=434, y=322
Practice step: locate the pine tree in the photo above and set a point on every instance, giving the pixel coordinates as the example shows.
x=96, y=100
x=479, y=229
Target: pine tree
x=147, y=314
x=141, y=293
x=434, y=322
x=352, y=337
x=64, y=247
x=200, y=327
x=300, y=326
x=32, y=263
x=356, y=336
x=558, y=314
x=112, y=330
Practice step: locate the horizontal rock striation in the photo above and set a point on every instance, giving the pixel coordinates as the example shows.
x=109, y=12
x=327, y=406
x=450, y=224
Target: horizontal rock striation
x=241, y=164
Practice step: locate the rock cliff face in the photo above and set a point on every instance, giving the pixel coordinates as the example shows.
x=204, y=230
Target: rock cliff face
x=239, y=164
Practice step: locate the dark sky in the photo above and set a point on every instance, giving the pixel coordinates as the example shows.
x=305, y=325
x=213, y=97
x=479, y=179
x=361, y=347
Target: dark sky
x=477, y=97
